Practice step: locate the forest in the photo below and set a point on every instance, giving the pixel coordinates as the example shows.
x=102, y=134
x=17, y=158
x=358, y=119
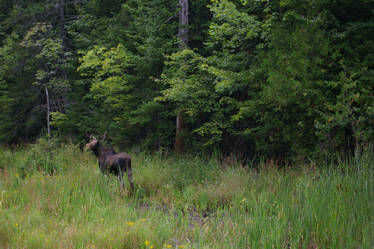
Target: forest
x=238, y=124
x=259, y=79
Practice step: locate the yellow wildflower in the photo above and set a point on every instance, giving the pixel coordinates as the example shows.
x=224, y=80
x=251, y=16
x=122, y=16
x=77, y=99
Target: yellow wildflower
x=147, y=242
x=169, y=246
x=130, y=223
x=16, y=225
x=151, y=246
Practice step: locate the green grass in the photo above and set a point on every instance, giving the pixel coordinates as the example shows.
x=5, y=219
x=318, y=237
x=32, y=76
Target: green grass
x=58, y=199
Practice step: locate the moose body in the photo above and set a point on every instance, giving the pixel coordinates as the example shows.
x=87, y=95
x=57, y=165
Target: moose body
x=112, y=162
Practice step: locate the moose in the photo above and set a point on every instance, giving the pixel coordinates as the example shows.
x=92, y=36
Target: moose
x=110, y=161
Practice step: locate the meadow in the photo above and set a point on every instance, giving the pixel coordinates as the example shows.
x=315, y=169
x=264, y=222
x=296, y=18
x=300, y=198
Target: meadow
x=57, y=198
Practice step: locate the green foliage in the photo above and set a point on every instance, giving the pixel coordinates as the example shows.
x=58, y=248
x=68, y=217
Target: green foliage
x=49, y=54
x=109, y=71
x=261, y=79
x=190, y=85
x=232, y=29
x=33, y=59
x=105, y=7
x=346, y=121
x=273, y=65
x=17, y=112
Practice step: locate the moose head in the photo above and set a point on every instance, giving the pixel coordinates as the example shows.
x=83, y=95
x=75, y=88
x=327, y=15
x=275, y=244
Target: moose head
x=110, y=161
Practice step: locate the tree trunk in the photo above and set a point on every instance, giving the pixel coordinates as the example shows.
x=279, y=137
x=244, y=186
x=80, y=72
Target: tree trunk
x=183, y=43
x=48, y=113
x=61, y=12
x=60, y=9
x=179, y=139
x=183, y=24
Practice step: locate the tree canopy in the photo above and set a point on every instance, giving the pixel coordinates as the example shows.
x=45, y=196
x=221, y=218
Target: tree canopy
x=260, y=79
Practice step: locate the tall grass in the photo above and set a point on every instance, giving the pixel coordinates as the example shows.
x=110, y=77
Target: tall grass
x=57, y=198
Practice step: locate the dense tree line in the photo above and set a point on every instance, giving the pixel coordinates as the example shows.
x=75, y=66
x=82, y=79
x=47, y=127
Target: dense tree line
x=257, y=78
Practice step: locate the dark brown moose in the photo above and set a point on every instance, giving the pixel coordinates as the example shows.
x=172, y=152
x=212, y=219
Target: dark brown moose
x=110, y=161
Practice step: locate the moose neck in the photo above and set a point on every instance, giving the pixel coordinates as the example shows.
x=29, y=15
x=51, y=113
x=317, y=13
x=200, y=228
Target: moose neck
x=98, y=150
x=102, y=151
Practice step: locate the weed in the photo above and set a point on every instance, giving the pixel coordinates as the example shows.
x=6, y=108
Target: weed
x=63, y=201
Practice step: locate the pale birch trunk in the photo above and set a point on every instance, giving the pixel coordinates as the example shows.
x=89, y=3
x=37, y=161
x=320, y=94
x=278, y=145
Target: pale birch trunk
x=48, y=114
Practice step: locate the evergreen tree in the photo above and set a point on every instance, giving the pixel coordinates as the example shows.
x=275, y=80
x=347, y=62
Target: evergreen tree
x=277, y=79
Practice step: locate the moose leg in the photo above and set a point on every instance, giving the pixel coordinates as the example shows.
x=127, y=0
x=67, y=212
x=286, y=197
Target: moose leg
x=129, y=174
x=120, y=177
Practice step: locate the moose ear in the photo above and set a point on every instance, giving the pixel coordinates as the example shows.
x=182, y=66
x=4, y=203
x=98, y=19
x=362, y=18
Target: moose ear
x=92, y=137
x=103, y=137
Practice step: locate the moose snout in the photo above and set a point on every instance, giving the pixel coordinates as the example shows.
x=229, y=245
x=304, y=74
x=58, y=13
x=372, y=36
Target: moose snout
x=87, y=147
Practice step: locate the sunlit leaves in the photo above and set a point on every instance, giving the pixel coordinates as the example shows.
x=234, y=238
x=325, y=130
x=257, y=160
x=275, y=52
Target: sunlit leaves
x=189, y=82
x=108, y=68
x=231, y=27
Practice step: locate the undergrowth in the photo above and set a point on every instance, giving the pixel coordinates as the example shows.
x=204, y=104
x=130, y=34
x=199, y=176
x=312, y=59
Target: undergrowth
x=53, y=196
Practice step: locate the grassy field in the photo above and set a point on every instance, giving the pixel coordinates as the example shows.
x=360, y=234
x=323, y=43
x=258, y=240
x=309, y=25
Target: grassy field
x=59, y=199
